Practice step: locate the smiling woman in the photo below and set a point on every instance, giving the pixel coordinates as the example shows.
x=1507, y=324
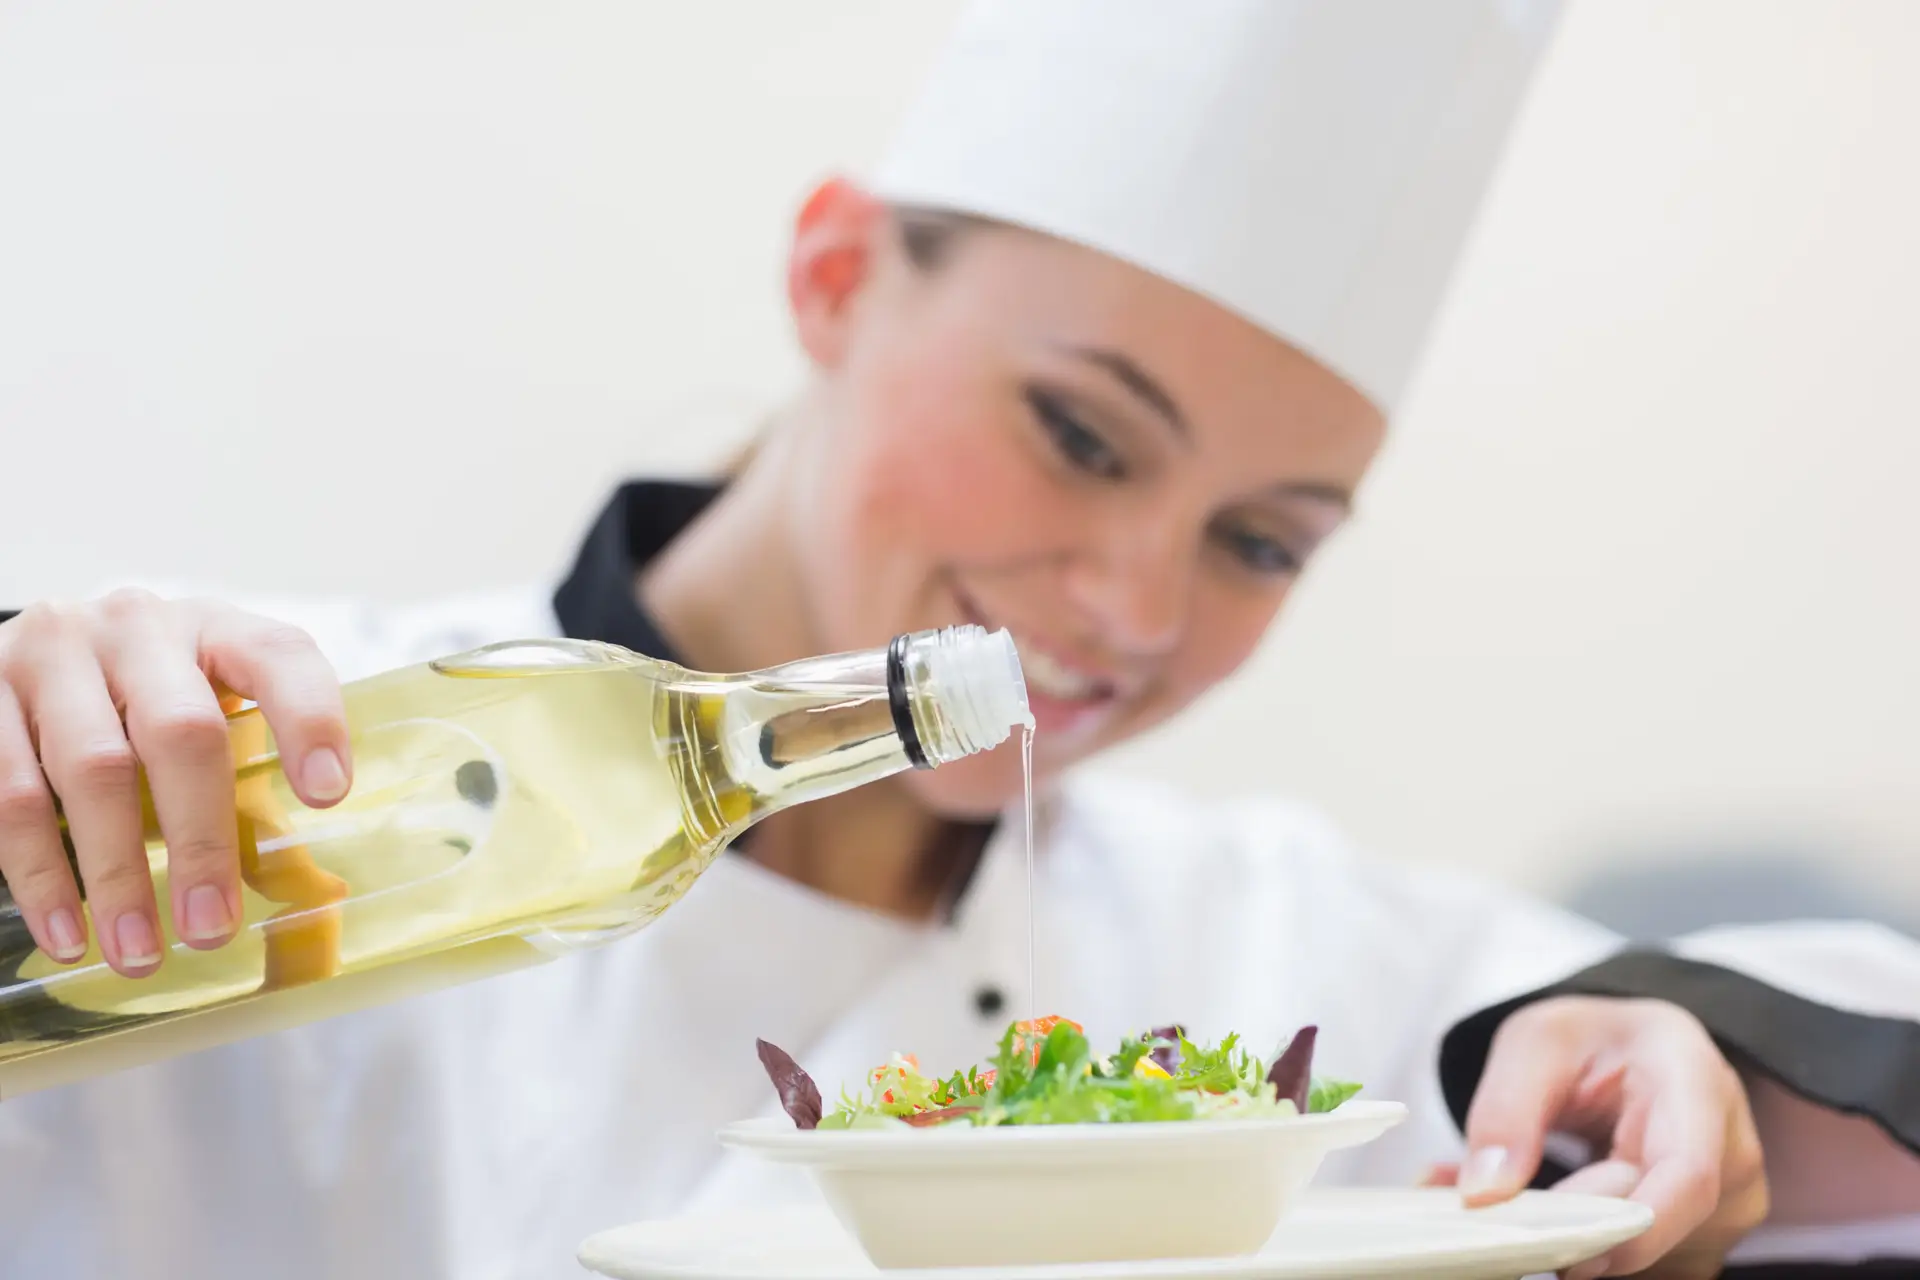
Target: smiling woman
x=1122, y=473
x=1099, y=354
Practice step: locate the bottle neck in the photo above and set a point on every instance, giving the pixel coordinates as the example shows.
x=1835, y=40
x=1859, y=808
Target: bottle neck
x=821, y=726
x=954, y=693
x=811, y=729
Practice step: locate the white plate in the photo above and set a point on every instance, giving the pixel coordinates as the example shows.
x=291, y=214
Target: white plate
x=1073, y=1193
x=1330, y=1235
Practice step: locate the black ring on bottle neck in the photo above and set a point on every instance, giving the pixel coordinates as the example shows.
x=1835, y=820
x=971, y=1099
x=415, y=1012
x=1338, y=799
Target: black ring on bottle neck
x=902, y=708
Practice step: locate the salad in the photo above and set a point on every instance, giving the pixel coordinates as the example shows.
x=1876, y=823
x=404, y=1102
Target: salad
x=1046, y=1072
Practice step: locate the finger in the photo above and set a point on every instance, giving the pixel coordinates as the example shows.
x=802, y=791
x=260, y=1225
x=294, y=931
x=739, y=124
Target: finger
x=1536, y=1063
x=178, y=731
x=1442, y=1175
x=1743, y=1170
x=1592, y=1269
x=1683, y=1149
x=281, y=669
x=1613, y=1178
x=94, y=772
x=32, y=856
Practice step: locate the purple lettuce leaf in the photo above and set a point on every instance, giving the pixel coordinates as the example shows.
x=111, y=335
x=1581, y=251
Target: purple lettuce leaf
x=798, y=1094
x=1292, y=1072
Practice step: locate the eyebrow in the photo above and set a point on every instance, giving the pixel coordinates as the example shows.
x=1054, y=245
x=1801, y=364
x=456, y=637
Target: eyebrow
x=1316, y=490
x=1145, y=388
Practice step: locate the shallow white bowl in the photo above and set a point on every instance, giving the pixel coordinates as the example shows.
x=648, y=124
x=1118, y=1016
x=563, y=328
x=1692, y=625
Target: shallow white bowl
x=960, y=1196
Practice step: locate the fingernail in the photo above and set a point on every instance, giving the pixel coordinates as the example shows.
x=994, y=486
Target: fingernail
x=1590, y=1270
x=325, y=776
x=207, y=914
x=63, y=927
x=138, y=946
x=1485, y=1171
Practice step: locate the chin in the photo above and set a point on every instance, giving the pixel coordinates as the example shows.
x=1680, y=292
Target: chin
x=976, y=789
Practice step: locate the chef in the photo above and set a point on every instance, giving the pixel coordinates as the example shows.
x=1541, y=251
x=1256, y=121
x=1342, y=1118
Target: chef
x=1101, y=353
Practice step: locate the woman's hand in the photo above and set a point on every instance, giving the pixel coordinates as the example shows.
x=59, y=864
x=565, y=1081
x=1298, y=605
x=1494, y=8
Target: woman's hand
x=93, y=695
x=1666, y=1114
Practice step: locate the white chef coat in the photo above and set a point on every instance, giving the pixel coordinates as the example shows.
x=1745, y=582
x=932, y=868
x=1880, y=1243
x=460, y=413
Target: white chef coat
x=481, y=1132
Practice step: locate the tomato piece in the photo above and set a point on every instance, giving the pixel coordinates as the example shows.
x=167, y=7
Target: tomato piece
x=1043, y=1027
x=1033, y=1032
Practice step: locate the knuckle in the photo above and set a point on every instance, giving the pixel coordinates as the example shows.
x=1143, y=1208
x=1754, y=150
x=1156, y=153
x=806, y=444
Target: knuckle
x=40, y=880
x=106, y=767
x=1556, y=1019
x=46, y=626
x=1668, y=1016
x=203, y=854
x=281, y=639
x=123, y=603
x=193, y=732
x=309, y=725
x=121, y=881
x=42, y=614
x=25, y=801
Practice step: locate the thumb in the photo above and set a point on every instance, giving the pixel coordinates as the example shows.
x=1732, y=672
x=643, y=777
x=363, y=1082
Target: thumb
x=1532, y=1071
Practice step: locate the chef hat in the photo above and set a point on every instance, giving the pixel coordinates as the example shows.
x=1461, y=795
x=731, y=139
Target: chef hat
x=1313, y=165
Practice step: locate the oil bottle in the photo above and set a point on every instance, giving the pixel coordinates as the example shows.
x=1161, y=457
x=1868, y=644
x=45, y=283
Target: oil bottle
x=509, y=805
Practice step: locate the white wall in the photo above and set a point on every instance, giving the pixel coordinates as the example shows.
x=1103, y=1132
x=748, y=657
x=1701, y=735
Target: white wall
x=381, y=296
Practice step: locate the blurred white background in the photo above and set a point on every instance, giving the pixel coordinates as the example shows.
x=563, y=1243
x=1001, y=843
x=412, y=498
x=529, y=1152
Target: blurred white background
x=380, y=297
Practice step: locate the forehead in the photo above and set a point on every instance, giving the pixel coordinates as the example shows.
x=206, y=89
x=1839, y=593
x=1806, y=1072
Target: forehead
x=1029, y=297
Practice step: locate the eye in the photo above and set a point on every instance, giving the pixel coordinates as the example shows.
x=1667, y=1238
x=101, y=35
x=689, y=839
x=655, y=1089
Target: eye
x=1258, y=551
x=1078, y=443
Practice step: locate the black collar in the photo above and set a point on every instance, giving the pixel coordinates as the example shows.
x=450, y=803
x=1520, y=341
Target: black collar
x=597, y=601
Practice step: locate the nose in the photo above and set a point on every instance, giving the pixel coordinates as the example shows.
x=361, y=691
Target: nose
x=1136, y=589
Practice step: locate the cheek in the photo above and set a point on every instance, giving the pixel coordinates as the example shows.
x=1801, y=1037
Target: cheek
x=944, y=457
x=925, y=472
x=1227, y=627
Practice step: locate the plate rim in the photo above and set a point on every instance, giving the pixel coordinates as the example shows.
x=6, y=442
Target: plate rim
x=1617, y=1220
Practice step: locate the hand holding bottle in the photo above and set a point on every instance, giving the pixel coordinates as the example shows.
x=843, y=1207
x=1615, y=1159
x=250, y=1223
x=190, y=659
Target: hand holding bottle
x=93, y=694
x=511, y=804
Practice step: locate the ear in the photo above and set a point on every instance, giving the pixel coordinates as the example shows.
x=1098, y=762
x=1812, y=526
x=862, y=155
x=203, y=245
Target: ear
x=832, y=258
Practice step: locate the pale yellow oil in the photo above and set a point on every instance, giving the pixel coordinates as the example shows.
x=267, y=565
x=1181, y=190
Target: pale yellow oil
x=497, y=817
x=1026, y=830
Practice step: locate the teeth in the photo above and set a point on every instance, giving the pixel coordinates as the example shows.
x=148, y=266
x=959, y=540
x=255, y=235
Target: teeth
x=1049, y=676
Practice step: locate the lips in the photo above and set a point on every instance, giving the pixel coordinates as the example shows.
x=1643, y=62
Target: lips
x=1048, y=675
